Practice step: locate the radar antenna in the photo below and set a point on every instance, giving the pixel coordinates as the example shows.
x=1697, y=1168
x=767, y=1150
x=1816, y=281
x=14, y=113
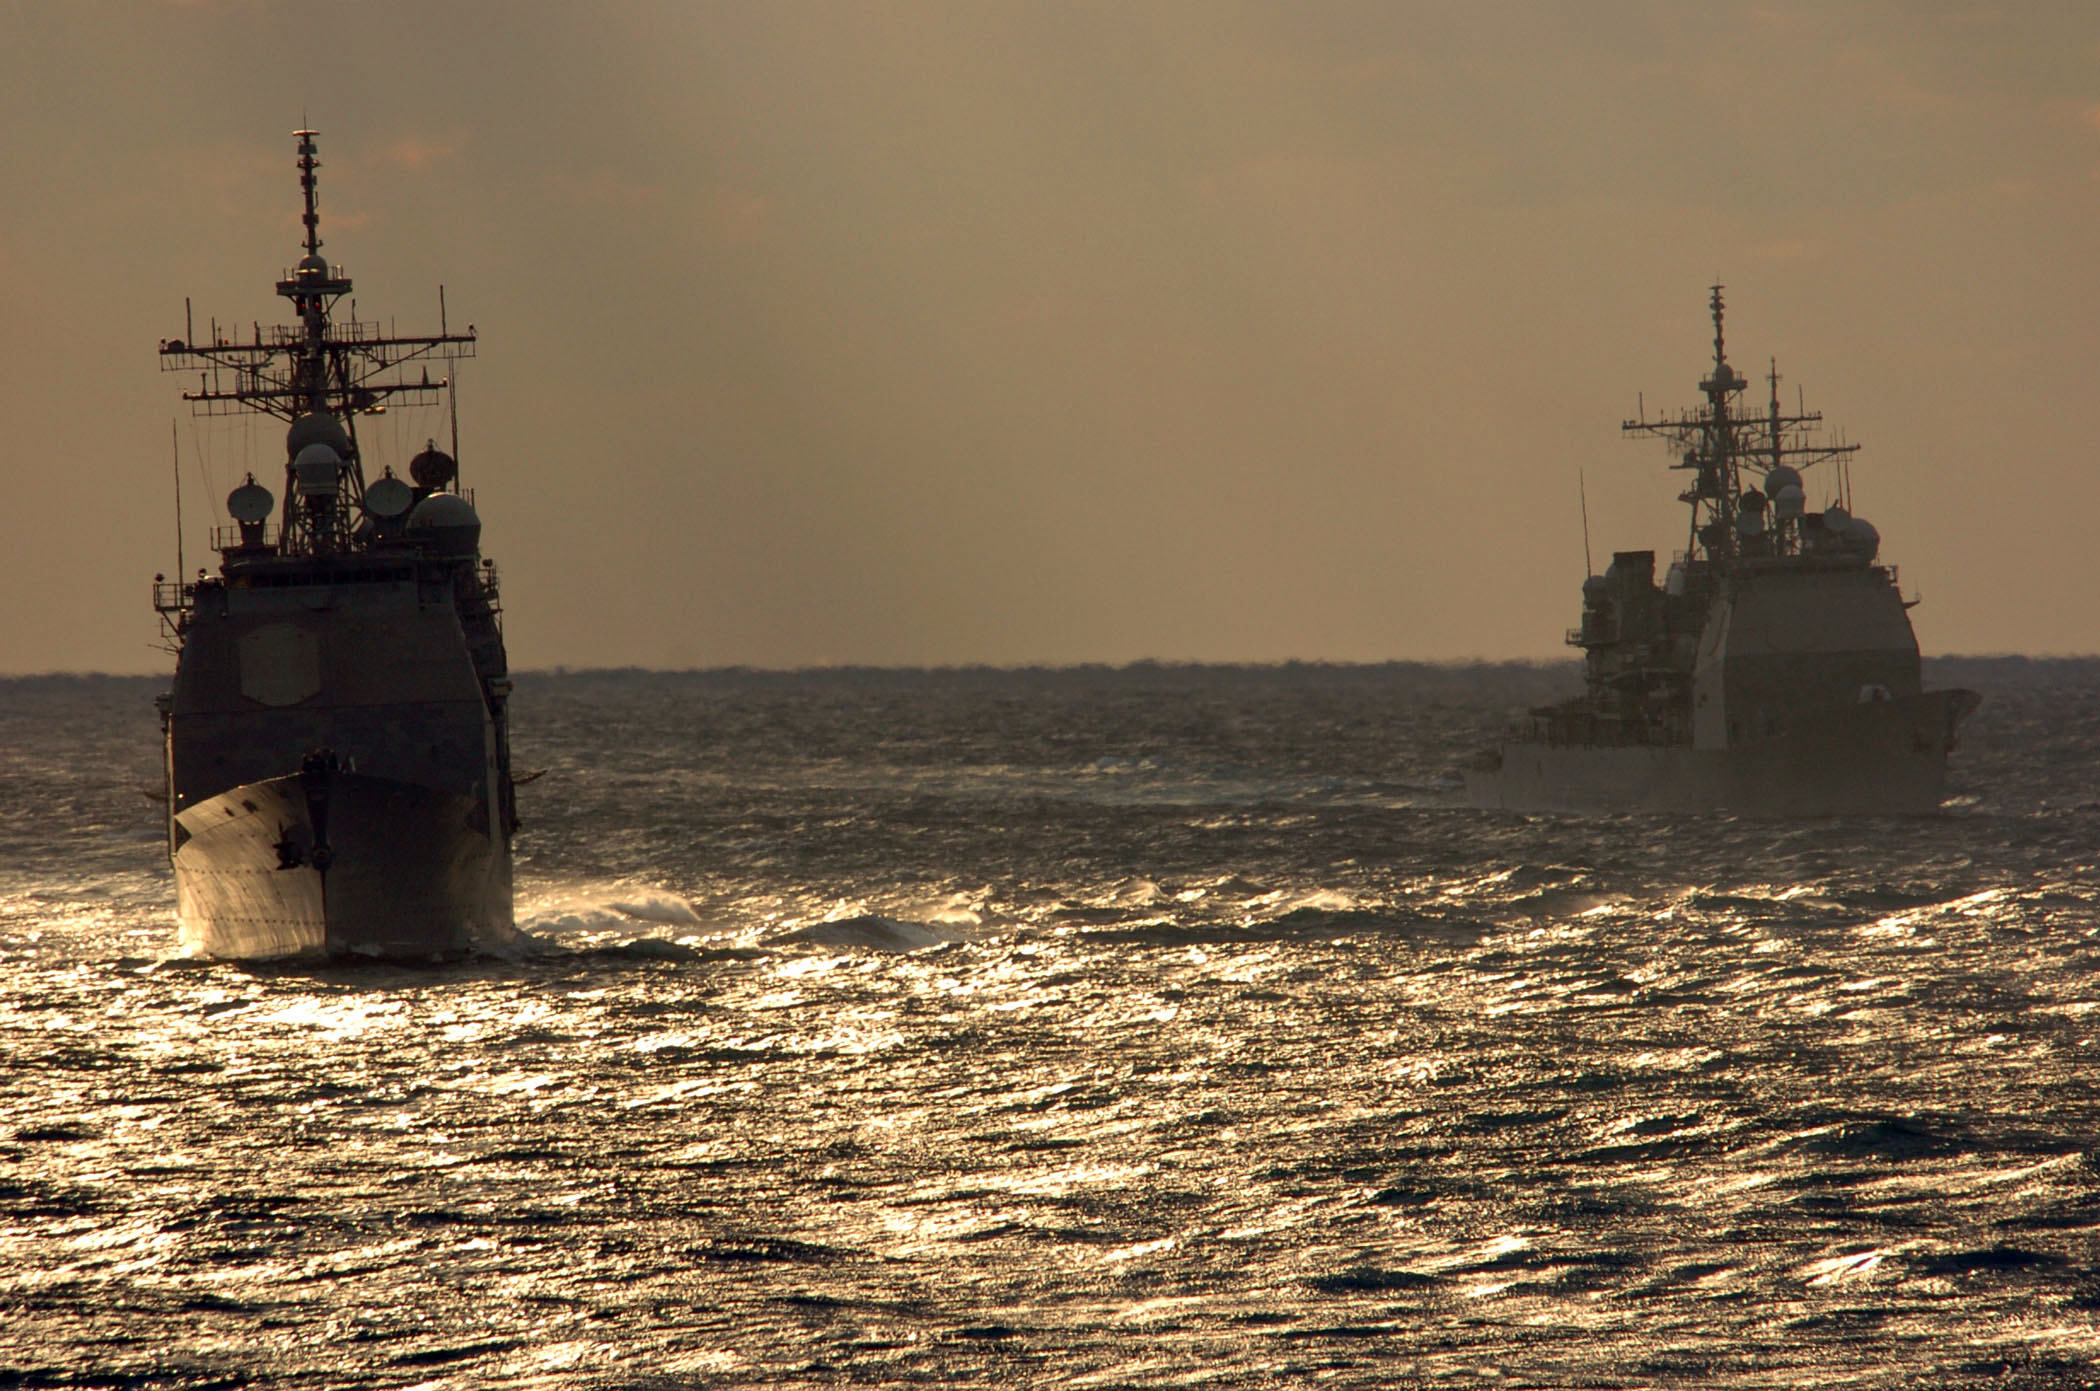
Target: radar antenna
x=309, y=186
x=1720, y=443
x=326, y=366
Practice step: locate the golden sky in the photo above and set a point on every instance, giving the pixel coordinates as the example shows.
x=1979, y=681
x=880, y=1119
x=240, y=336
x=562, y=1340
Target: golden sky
x=910, y=333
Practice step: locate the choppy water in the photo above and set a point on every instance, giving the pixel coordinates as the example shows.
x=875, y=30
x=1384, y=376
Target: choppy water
x=1142, y=1028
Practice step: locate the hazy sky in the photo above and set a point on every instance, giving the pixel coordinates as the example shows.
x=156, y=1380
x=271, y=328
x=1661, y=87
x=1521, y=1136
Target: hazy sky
x=1009, y=333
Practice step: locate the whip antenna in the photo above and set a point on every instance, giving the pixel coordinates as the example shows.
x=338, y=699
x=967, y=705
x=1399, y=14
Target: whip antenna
x=175, y=448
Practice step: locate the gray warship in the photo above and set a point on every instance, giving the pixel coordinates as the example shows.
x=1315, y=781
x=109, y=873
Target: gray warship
x=1772, y=671
x=337, y=732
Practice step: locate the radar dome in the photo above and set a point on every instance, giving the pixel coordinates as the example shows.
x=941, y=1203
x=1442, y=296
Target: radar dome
x=433, y=468
x=1596, y=589
x=1752, y=501
x=1863, y=537
x=251, y=502
x=316, y=429
x=448, y=522
x=1749, y=524
x=1779, y=478
x=1789, y=501
x=388, y=497
x=318, y=470
x=314, y=264
x=1836, y=519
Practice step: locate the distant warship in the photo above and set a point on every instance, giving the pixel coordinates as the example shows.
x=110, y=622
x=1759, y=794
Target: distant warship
x=1772, y=672
x=337, y=734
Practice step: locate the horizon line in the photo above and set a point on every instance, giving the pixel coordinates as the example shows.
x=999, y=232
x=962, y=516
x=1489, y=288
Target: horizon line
x=1132, y=665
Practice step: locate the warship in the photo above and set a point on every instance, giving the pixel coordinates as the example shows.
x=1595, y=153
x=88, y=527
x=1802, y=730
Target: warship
x=1772, y=671
x=337, y=731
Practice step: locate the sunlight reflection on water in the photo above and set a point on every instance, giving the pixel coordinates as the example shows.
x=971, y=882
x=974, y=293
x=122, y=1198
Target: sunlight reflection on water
x=996, y=1072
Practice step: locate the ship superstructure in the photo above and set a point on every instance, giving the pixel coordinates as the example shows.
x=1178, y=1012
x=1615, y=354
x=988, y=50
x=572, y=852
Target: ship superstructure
x=1772, y=670
x=338, y=753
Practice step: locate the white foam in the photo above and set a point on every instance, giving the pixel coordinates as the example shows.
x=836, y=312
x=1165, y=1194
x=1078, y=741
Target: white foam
x=601, y=908
x=658, y=908
x=869, y=931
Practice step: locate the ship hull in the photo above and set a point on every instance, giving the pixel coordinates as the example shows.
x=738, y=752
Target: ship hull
x=347, y=865
x=1882, y=758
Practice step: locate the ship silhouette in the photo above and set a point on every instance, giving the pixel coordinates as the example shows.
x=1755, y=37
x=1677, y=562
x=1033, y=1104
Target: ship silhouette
x=1772, y=671
x=337, y=731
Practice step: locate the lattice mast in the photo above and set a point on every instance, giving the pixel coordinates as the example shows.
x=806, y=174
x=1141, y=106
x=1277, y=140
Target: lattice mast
x=321, y=367
x=1720, y=442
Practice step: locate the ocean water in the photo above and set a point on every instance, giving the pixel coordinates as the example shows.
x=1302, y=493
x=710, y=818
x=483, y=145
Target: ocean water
x=1147, y=1027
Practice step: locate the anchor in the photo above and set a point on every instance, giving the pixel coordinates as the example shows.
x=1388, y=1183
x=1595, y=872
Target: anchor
x=316, y=779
